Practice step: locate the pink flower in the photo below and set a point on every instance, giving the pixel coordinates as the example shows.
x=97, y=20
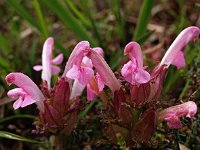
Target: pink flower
x=27, y=93
x=80, y=68
x=133, y=71
x=81, y=71
x=174, y=113
x=76, y=57
x=76, y=70
x=48, y=66
x=94, y=87
x=174, y=55
x=106, y=75
x=77, y=89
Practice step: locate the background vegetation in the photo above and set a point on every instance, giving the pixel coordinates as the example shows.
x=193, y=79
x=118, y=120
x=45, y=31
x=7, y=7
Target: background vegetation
x=109, y=24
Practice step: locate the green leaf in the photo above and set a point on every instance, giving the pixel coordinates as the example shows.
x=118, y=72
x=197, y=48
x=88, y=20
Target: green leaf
x=24, y=13
x=143, y=19
x=69, y=20
x=40, y=18
x=8, y=135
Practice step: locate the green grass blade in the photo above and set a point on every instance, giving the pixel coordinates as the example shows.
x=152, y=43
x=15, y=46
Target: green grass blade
x=119, y=18
x=4, y=44
x=8, y=135
x=143, y=19
x=94, y=27
x=81, y=17
x=69, y=20
x=59, y=46
x=40, y=18
x=145, y=36
x=22, y=11
x=17, y=116
x=185, y=88
x=42, y=27
x=4, y=63
x=87, y=109
x=32, y=53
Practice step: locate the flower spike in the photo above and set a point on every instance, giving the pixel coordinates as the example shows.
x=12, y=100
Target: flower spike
x=27, y=93
x=133, y=71
x=174, y=55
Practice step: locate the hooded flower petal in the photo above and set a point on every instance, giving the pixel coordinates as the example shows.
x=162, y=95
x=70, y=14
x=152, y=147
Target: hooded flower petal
x=28, y=92
x=135, y=53
x=179, y=61
x=104, y=71
x=46, y=60
x=133, y=71
x=173, y=53
x=81, y=68
x=77, y=55
x=174, y=113
x=98, y=50
x=48, y=65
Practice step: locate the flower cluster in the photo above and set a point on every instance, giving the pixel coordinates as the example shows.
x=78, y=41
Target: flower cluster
x=132, y=112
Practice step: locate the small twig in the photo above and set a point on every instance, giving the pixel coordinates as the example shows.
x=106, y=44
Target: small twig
x=5, y=100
